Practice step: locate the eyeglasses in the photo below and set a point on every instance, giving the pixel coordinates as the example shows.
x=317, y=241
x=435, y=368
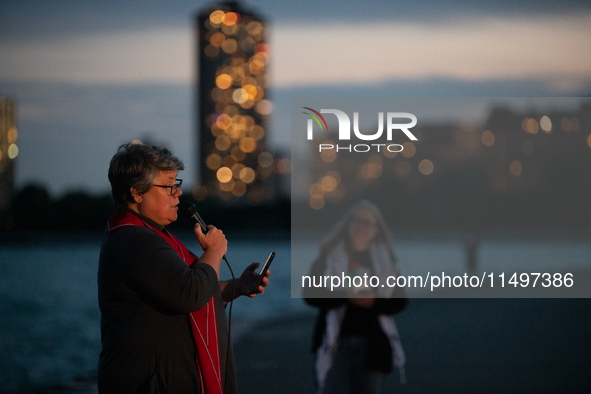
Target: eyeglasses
x=174, y=189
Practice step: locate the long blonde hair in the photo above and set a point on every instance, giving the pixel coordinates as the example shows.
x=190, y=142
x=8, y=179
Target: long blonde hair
x=340, y=231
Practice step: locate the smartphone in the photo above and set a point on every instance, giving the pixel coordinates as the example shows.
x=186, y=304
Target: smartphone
x=262, y=274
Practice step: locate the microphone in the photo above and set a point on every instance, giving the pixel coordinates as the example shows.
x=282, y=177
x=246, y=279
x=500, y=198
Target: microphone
x=189, y=211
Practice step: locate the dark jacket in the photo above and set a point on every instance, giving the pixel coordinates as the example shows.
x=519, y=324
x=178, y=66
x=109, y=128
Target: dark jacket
x=146, y=291
x=379, y=352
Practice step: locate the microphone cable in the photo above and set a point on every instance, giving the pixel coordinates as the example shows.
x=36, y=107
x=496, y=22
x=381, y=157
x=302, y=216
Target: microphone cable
x=229, y=320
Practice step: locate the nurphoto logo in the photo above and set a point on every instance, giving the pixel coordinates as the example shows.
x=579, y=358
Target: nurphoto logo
x=344, y=132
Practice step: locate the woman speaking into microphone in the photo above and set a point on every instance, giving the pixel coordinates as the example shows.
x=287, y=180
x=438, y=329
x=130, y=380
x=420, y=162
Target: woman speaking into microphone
x=163, y=322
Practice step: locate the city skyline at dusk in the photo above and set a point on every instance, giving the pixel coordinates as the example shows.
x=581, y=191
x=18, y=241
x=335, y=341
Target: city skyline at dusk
x=88, y=77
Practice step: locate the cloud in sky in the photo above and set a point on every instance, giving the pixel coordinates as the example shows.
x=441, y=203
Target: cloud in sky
x=135, y=56
x=477, y=49
x=480, y=48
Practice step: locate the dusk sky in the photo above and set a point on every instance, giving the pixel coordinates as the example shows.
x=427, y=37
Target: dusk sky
x=89, y=76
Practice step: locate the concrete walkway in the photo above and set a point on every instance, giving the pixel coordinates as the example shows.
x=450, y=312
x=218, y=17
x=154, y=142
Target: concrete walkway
x=452, y=346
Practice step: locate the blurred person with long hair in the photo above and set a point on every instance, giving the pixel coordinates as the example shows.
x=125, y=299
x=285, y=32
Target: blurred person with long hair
x=356, y=340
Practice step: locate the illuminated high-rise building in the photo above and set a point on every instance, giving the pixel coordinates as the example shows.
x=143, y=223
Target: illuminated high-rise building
x=8, y=150
x=234, y=162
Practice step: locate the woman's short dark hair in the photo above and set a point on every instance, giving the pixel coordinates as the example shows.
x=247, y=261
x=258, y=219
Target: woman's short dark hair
x=136, y=165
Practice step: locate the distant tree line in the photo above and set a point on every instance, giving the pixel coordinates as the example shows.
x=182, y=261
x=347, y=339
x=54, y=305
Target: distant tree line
x=33, y=209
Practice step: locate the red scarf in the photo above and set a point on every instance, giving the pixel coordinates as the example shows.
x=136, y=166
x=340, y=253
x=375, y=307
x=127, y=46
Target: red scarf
x=203, y=321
